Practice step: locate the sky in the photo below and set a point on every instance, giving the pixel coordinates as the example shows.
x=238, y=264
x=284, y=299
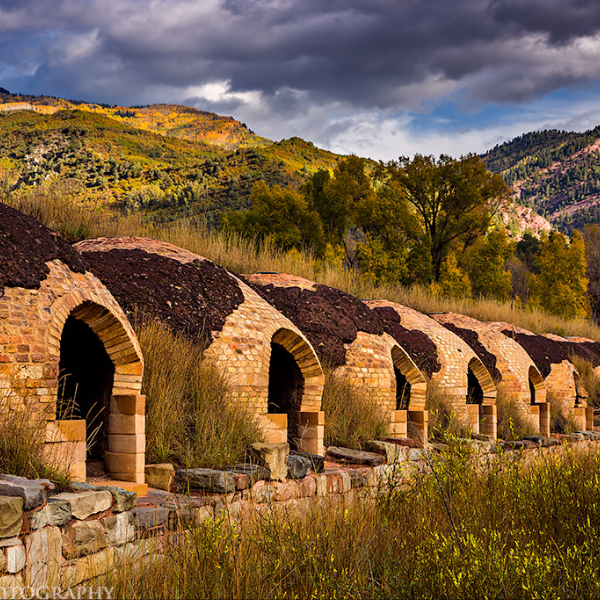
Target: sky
x=378, y=78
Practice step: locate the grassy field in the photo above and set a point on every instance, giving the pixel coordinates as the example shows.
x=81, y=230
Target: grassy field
x=517, y=529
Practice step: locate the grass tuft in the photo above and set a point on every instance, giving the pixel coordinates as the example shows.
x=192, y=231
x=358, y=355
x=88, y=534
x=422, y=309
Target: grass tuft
x=352, y=417
x=511, y=424
x=191, y=418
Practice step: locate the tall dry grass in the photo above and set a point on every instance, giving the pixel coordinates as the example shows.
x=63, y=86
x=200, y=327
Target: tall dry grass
x=23, y=451
x=444, y=423
x=245, y=255
x=511, y=424
x=191, y=417
x=590, y=379
x=352, y=416
x=515, y=529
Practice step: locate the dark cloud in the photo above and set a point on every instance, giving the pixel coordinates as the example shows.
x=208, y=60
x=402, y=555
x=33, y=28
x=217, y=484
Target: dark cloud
x=300, y=54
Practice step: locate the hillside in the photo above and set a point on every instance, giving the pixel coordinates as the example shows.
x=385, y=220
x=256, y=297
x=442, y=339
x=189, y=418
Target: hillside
x=164, y=176
x=556, y=173
x=166, y=119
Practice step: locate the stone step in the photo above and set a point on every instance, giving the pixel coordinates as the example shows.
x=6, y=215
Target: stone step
x=141, y=489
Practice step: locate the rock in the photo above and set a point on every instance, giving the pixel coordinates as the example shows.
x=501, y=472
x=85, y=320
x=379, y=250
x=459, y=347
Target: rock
x=482, y=437
x=11, y=516
x=119, y=529
x=32, y=491
x=416, y=454
x=357, y=478
x=438, y=447
x=85, y=504
x=262, y=492
x=307, y=487
x=122, y=499
x=407, y=442
x=298, y=467
x=355, y=457
x=273, y=457
x=207, y=480
x=514, y=445
x=574, y=437
x=529, y=445
x=15, y=557
x=393, y=452
x=149, y=517
x=317, y=461
x=159, y=476
x=253, y=471
x=549, y=442
x=82, y=538
x=44, y=557
x=535, y=439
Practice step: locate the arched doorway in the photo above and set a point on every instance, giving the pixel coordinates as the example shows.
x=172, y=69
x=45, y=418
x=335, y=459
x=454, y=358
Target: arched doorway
x=98, y=401
x=474, y=389
x=86, y=379
x=402, y=390
x=539, y=408
x=286, y=386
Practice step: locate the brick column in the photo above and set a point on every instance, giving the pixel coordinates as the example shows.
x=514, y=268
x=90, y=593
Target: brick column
x=125, y=459
x=311, y=432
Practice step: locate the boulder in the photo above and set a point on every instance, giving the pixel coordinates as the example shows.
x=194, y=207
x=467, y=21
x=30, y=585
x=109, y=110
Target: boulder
x=408, y=442
x=207, y=480
x=33, y=491
x=253, y=471
x=273, y=457
x=119, y=529
x=317, y=461
x=298, y=467
x=159, y=476
x=355, y=457
x=392, y=452
x=85, y=504
x=11, y=516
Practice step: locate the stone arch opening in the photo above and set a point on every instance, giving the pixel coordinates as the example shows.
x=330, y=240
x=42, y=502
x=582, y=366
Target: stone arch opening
x=402, y=390
x=474, y=389
x=286, y=386
x=101, y=368
x=581, y=394
x=86, y=379
x=537, y=388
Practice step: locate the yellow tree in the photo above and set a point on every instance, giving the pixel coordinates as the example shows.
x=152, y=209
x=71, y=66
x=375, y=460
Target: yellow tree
x=561, y=286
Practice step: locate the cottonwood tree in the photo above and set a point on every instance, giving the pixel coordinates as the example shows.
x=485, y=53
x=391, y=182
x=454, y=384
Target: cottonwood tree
x=455, y=199
x=561, y=285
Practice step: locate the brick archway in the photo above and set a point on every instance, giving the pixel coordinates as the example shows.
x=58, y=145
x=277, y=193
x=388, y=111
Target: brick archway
x=485, y=381
x=418, y=384
x=309, y=420
x=536, y=383
x=124, y=458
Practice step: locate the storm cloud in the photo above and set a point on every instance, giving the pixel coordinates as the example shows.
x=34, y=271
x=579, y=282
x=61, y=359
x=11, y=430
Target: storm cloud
x=303, y=67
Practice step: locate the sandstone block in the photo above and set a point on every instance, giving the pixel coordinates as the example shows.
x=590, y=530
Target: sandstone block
x=127, y=444
x=14, y=557
x=262, y=492
x=85, y=504
x=317, y=461
x=122, y=499
x=208, y=480
x=149, y=517
x=119, y=529
x=273, y=457
x=120, y=462
x=254, y=472
x=44, y=558
x=159, y=476
x=32, y=491
x=11, y=516
x=88, y=567
x=298, y=467
x=82, y=538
